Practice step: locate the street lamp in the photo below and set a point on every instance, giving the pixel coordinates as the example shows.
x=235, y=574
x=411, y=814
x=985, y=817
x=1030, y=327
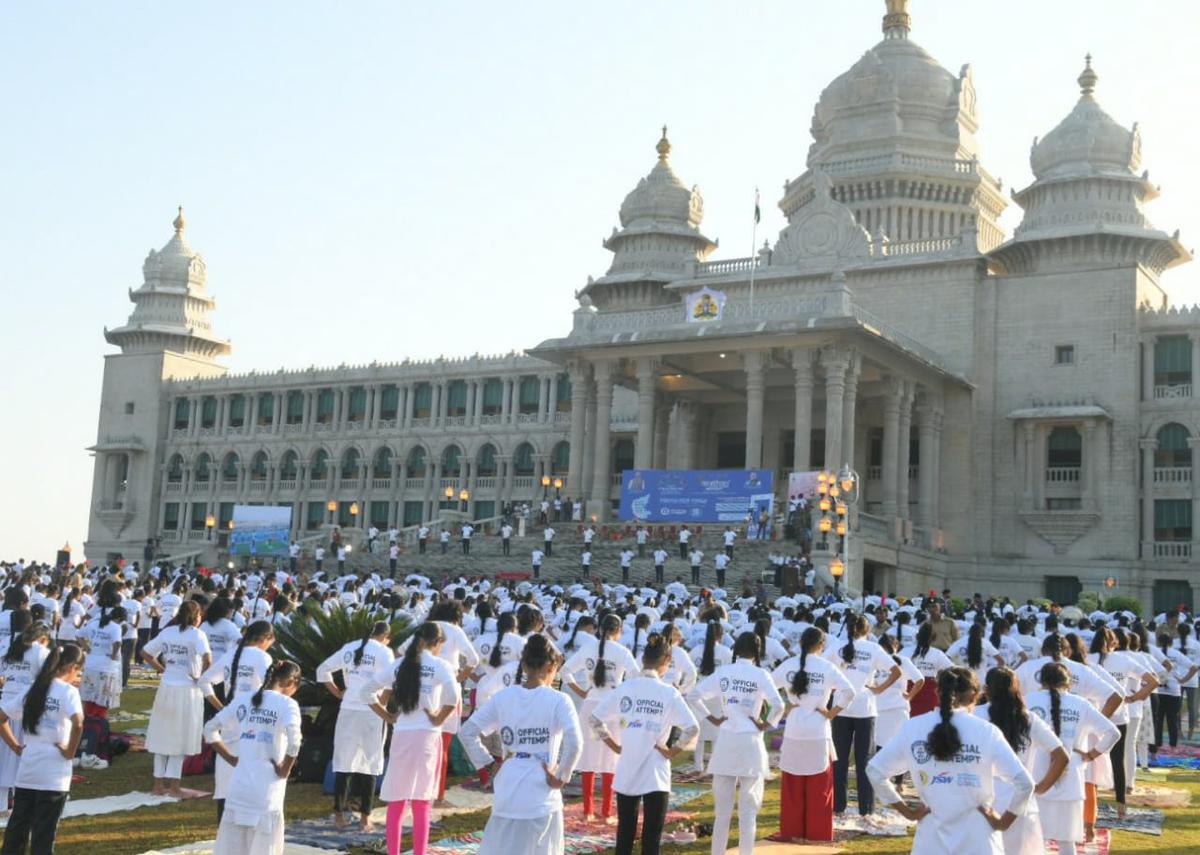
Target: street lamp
x=210, y=522
x=353, y=511
x=558, y=483
x=331, y=506
x=449, y=494
x=464, y=495
x=545, y=485
x=836, y=569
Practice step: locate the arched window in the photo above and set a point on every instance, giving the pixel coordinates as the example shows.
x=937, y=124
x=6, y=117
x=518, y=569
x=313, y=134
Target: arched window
x=560, y=458
x=229, y=468
x=485, y=462
x=289, y=466
x=320, y=464
x=203, y=469
x=382, y=467
x=175, y=469
x=1064, y=448
x=1173, y=450
x=414, y=467
x=451, y=461
x=350, y=463
x=622, y=458
x=523, y=460
x=258, y=466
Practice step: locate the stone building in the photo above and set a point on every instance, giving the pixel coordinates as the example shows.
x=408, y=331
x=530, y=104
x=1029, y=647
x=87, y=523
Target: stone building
x=1020, y=407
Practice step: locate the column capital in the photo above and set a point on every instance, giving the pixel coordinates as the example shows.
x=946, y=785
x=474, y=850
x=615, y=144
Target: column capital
x=802, y=360
x=836, y=356
x=602, y=370
x=1150, y=444
x=646, y=367
x=754, y=361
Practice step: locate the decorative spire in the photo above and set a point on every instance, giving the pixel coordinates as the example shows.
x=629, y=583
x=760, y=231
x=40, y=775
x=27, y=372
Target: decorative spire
x=179, y=223
x=897, y=22
x=1087, y=79
x=664, y=145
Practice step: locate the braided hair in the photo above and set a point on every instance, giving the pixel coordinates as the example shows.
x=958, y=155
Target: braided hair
x=708, y=660
x=641, y=623
x=975, y=645
x=62, y=656
x=924, y=640
x=952, y=684
x=1054, y=679
x=610, y=625
x=283, y=671
x=810, y=639
x=856, y=627
x=506, y=623
x=20, y=622
x=406, y=691
x=584, y=621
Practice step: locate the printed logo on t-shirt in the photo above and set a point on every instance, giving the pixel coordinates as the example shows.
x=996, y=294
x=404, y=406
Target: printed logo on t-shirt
x=591, y=664
x=507, y=736
x=724, y=684
x=920, y=751
x=507, y=679
x=242, y=712
x=626, y=705
x=485, y=648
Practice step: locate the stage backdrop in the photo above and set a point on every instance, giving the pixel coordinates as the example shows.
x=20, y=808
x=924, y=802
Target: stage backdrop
x=260, y=530
x=689, y=495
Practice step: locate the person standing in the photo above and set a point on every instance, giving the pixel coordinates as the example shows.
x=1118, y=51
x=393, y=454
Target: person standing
x=729, y=536
x=641, y=536
x=318, y=558
x=721, y=561
x=358, y=735
x=422, y=538
x=954, y=758
x=22, y=663
x=444, y=539
x=626, y=561
x=660, y=563
x=816, y=691
x=944, y=629
x=341, y=558
x=536, y=557
x=393, y=558
x=180, y=653
x=685, y=534
x=548, y=540
x=506, y=531
x=293, y=556
x=541, y=743
x=267, y=723
x=585, y=562
x=739, y=758
x=466, y=531
x=696, y=556
x=929, y=661
x=589, y=534
x=50, y=715
x=654, y=724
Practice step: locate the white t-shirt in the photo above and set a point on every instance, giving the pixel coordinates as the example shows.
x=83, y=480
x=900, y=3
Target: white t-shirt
x=19, y=676
x=869, y=659
x=930, y=663
x=619, y=664
x=222, y=636
x=182, y=652
x=892, y=698
x=439, y=688
x=720, y=560
x=510, y=648
x=536, y=726
x=505, y=531
x=266, y=735
x=684, y=535
x=640, y=715
x=741, y=688
x=362, y=680
x=729, y=536
x=824, y=680
x=42, y=765
x=100, y=656
x=660, y=557
x=252, y=671
x=1079, y=722
x=168, y=605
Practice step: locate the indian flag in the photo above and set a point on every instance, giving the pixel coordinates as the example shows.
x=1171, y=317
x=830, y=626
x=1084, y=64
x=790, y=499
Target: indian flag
x=757, y=208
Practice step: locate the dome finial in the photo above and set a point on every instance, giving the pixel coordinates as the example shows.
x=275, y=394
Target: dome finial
x=664, y=145
x=897, y=22
x=179, y=223
x=1087, y=79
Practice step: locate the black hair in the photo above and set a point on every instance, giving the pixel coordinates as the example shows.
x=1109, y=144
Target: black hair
x=1054, y=677
x=762, y=628
x=24, y=636
x=255, y=632
x=536, y=655
x=999, y=628
x=218, y=610
x=889, y=645
x=809, y=640
x=657, y=649
x=856, y=625
x=924, y=640
x=975, y=645
x=1101, y=643
x=283, y=671
x=15, y=598
x=107, y=616
x=1183, y=630
x=191, y=609
x=1052, y=646
x=608, y=625
x=640, y=623
x=1006, y=707
x=506, y=623
x=406, y=691
x=529, y=619
x=583, y=619
x=708, y=660
x=61, y=656
x=952, y=684
x=748, y=646
x=375, y=629
x=902, y=620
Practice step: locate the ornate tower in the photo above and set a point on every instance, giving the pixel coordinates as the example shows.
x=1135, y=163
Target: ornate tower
x=168, y=335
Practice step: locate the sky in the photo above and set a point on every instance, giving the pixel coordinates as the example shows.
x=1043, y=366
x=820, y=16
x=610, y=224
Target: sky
x=375, y=180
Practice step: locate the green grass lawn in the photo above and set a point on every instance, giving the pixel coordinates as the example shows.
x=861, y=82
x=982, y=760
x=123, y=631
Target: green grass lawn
x=133, y=832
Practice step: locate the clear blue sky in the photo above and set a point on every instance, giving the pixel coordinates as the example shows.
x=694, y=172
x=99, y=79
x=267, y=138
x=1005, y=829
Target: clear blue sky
x=375, y=180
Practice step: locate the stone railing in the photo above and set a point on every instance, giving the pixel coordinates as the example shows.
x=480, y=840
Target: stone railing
x=727, y=265
x=523, y=482
x=917, y=247
x=487, y=482
x=1062, y=474
x=318, y=483
x=1177, y=390
x=259, y=486
x=414, y=483
x=286, y=485
x=381, y=483
x=1178, y=550
x=173, y=487
x=1172, y=474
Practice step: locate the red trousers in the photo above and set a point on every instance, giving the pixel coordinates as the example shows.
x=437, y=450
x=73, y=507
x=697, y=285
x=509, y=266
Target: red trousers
x=447, y=738
x=806, y=806
x=588, y=780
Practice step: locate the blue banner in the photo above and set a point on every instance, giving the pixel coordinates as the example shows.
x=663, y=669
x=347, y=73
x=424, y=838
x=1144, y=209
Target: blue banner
x=691, y=495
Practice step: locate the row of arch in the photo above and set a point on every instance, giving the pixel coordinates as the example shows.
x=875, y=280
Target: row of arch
x=382, y=463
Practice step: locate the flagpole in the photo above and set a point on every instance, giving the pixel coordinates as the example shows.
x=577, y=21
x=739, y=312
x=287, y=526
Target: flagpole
x=753, y=246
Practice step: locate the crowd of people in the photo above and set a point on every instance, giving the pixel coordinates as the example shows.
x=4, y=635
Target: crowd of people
x=992, y=726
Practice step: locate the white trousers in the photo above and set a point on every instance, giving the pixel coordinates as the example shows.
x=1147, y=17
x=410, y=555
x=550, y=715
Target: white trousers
x=749, y=802
x=168, y=766
x=1131, y=746
x=265, y=838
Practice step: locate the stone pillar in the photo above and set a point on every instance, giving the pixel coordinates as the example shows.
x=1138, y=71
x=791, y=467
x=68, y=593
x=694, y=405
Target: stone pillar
x=925, y=436
x=834, y=360
x=1195, y=338
x=193, y=416
x=1148, y=446
x=643, y=455
x=277, y=417
x=469, y=414
x=849, y=424
x=1040, y=433
x=938, y=420
x=309, y=410
x=579, y=395
x=1148, y=367
x=543, y=398
x=408, y=393
x=802, y=365
x=1087, y=469
x=222, y=413
x=589, y=448
x=477, y=414
x=662, y=429
x=344, y=409
x=506, y=401
x=1028, y=453
x=685, y=420
x=552, y=394
x=893, y=391
x=250, y=413
x=601, y=472
x=903, y=438
x=755, y=363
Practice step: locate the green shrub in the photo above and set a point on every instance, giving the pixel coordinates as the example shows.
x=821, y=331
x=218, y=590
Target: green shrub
x=1120, y=604
x=1088, y=601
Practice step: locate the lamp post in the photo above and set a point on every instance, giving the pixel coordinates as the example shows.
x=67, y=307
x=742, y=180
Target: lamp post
x=464, y=496
x=354, y=514
x=331, y=506
x=449, y=494
x=837, y=492
x=558, y=483
x=210, y=522
x=545, y=485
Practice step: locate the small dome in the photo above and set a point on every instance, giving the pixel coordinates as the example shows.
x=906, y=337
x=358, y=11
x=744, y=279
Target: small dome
x=1088, y=141
x=661, y=197
x=176, y=264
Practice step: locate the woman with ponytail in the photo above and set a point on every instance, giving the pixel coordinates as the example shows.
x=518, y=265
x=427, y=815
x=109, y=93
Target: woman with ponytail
x=1179, y=670
x=242, y=669
x=681, y=673
x=816, y=691
x=358, y=735
x=50, y=719
x=1084, y=680
x=223, y=634
x=267, y=725
x=1030, y=737
x=930, y=662
x=772, y=651
x=1189, y=648
x=743, y=691
x=1135, y=682
x=863, y=662
x=974, y=651
x=637, y=636
x=708, y=657
x=421, y=694
x=101, y=686
x=20, y=665
x=593, y=676
x=1086, y=733
x=499, y=647
x=955, y=760
x=74, y=615
x=180, y=653
x=533, y=731
x=892, y=705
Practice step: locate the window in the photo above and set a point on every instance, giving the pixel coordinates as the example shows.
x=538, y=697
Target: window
x=493, y=397
x=382, y=467
x=266, y=409
x=229, y=469
x=208, y=412
x=422, y=400
x=1171, y=594
x=175, y=470
x=485, y=462
x=350, y=463
x=529, y=394
x=390, y=405
x=1064, y=354
x=258, y=466
x=456, y=398
x=415, y=467
x=129, y=408
x=563, y=396
x=320, y=464
x=203, y=465
x=1064, y=448
x=358, y=404
x=1173, y=451
x=1172, y=360
x=315, y=515
x=451, y=462
x=1172, y=520
x=295, y=408
x=1064, y=590
x=171, y=516
x=1063, y=504
x=380, y=511
x=523, y=460
x=288, y=468
x=560, y=459
x=237, y=411
x=199, y=513
x=182, y=411
x=414, y=513
x=623, y=456
x=325, y=406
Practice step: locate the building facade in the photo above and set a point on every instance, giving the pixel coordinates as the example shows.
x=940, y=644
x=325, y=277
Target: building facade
x=1019, y=407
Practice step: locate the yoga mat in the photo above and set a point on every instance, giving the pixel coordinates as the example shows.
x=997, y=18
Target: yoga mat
x=1140, y=820
x=114, y=804
x=205, y=847
x=768, y=848
x=1099, y=846
x=323, y=836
